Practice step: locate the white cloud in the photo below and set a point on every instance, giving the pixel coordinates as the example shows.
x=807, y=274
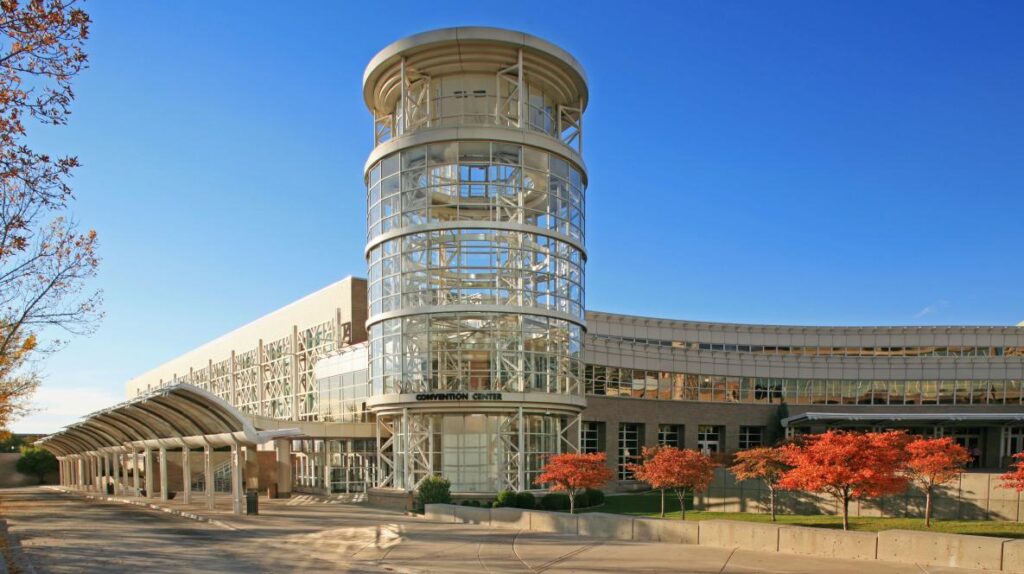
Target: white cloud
x=932, y=309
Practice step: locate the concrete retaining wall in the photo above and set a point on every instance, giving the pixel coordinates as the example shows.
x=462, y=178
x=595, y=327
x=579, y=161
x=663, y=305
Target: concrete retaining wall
x=736, y=534
x=660, y=530
x=1013, y=556
x=970, y=496
x=473, y=515
x=439, y=512
x=828, y=543
x=541, y=521
x=10, y=477
x=516, y=518
x=933, y=548
x=930, y=548
x=601, y=525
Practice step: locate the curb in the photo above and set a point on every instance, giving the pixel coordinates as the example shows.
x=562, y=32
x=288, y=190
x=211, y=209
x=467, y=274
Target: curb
x=148, y=505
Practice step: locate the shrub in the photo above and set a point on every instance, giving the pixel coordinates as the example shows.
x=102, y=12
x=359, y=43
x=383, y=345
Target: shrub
x=36, y=461
x=525, y=500
x=505, y=498
x=596, y=497
x=435, y=490
x=583, y=499
x=555, y=501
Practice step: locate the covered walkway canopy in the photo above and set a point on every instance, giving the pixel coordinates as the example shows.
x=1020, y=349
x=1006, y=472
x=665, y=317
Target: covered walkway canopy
x=104, y=446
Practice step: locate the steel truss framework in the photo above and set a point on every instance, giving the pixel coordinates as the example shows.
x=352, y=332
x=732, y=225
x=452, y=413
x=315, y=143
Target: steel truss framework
x=410, y=446
x=275, y=378
x=415, y=108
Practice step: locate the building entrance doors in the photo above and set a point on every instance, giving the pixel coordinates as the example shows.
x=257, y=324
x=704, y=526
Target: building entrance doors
x=971, y=439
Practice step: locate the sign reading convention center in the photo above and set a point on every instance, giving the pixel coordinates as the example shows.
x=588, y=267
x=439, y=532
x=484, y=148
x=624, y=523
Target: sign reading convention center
x=458, y=397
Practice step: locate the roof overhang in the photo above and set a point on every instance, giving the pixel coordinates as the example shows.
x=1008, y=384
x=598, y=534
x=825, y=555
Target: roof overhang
x=908, y=418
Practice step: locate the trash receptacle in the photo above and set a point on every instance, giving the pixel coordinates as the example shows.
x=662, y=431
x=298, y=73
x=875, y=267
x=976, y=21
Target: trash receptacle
x=252, y=502
x=110, y=489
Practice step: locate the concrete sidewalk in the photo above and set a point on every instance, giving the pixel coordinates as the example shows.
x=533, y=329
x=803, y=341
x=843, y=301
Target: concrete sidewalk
x=314, y=537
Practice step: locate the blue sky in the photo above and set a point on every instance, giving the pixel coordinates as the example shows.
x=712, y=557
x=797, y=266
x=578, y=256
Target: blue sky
x=844, y=163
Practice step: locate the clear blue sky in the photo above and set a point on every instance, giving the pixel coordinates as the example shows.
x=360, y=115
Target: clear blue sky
x=841, y=163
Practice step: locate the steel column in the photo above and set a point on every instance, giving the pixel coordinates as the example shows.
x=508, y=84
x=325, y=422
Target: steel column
x=164, y=490
x=135, y=471
x=148, y=462
x=236, y=479
x=283, y=446
x=186, y=475
x=116, y=460
x=208, y=475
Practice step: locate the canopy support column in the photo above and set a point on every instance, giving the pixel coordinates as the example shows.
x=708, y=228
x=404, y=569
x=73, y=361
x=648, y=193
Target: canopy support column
x=208, y=474
x=236, y=479
x=80, y=466
x=135, y=471
x=186, y=475
x=103, y=472
x=164, y=494
x=148, y=462
x=90, y=478
x=283, y=446
x=116, y=456
x=252, y=469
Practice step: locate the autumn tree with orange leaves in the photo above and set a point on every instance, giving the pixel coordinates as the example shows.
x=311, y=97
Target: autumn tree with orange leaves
x=678, y=470
x=45, y=260
x=767, y=464
x=1015, y=477
x=932, y=462
x=847, y=464
x=572, y=472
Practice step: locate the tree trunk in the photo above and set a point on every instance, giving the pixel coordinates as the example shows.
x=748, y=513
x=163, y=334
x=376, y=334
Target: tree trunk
x=928, y=506
x=663, y=503
x=572, y=502
x=681, y=495
x=771, y=501
x=846, y=512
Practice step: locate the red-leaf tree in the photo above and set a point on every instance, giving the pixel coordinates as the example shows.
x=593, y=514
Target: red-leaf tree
x=767, y=464
x=847, y=464
x=1015, y=478
x=572, y=472
x=678, y=470
x=931, y=462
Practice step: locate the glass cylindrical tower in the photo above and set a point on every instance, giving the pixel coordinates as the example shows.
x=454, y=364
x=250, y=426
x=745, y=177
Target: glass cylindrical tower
x=475, y=246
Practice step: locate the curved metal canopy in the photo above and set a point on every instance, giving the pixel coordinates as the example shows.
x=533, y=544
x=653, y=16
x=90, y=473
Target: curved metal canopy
x=171, y=417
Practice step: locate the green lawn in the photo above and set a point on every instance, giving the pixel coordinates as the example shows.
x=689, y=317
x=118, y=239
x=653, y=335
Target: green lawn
x=648, y=504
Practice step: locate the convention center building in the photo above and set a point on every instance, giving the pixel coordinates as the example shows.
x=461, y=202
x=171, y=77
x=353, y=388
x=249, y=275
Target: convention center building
x=468, y=351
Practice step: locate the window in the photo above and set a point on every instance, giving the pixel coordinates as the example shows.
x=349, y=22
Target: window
x=592, y=437
x=631, y=442
x=709, y=439
x=670, y=435
x=751, y=437
x=1013, y=443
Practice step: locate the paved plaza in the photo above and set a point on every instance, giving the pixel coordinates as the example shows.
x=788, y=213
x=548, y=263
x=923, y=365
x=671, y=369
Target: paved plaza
x=64, y=533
